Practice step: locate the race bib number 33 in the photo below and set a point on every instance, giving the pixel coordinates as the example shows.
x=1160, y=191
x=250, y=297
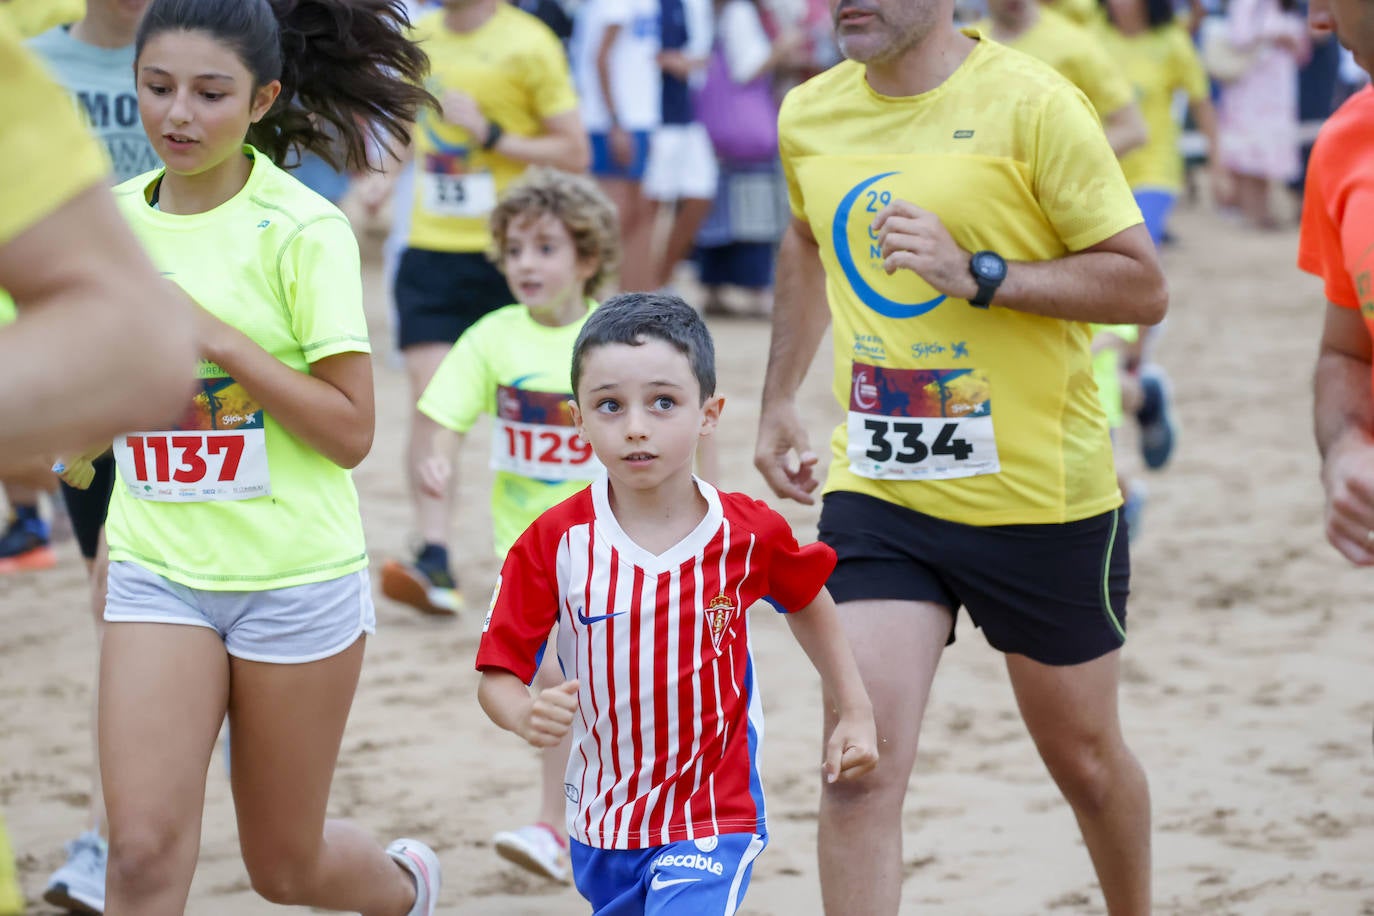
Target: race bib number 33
x=920, y=424
x=471, y=196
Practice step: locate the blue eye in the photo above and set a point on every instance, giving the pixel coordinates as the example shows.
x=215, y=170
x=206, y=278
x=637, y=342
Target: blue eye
x=663, y=402
x=608, y=406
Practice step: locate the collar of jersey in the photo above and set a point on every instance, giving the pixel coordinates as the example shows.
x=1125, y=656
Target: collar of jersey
x=930, y=95
x=608, y=527
x=261, y=166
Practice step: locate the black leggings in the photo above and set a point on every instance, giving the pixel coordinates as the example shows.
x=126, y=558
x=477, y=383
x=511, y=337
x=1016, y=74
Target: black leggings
x=88, y=508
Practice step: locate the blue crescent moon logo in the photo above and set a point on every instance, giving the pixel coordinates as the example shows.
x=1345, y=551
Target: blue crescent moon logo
x=839, y=233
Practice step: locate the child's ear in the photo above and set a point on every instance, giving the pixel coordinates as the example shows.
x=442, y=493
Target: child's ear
x=576, y=416
x=710, y=414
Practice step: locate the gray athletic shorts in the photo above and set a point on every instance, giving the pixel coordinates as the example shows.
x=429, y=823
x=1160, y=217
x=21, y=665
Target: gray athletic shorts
x=284, y=626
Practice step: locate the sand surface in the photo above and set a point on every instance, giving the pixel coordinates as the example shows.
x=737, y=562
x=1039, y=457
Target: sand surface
x=1250, y=640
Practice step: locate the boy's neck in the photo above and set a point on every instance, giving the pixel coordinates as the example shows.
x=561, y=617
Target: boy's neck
x=570, y=311
x=660, y=518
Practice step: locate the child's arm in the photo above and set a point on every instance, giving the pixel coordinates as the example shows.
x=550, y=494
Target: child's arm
x=435, y=472
x=851, y=750
x=542, y=719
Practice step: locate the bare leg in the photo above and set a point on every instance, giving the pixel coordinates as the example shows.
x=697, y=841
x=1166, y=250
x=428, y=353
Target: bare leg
x=636, y=233
x=288, y=722
x=99, y=570
x=1071, y=712
x=691, y=213
x=897, y=645
x=431, y=514
x=163, y=691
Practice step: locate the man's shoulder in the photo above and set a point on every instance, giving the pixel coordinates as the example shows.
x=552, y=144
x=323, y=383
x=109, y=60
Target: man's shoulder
x=821, y=95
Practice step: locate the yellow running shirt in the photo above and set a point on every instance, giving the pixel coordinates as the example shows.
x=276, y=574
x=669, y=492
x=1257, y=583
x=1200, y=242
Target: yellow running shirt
x=224, y=498
x=1080, y=12
x=48, y=154
x=1158, y=62
x=11, y=897
x=34, y=17
x=516, y=370
x=1078, y=56
x=979, y=416
x=514, y=67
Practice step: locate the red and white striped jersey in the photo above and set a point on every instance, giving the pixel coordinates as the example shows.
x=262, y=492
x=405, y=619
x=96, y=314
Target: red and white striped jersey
x=665, y=743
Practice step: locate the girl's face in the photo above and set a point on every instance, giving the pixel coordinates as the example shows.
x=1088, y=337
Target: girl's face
x=197, y=100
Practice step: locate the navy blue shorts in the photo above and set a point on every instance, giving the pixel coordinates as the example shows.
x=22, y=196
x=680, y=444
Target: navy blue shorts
x=440, y=294
x=603, y=166
x=87, y=508
x=1054, y=593
x=705, y=877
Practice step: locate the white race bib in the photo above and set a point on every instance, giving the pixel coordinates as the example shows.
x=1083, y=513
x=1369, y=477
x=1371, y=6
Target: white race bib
x=194, y=466
x=471, y=196
x=533, y=436
x=920, y=424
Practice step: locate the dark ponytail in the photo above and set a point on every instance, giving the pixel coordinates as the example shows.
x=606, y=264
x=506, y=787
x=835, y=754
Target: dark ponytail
x=347, y=69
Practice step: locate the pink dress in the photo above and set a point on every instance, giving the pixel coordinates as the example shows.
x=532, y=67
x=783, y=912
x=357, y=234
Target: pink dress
x=1257, y=122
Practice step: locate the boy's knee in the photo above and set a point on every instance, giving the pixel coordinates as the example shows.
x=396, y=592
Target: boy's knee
x=283, y=880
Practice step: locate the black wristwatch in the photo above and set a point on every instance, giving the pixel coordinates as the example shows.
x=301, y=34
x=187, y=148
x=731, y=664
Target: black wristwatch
x=989, y=269
x=494, y=133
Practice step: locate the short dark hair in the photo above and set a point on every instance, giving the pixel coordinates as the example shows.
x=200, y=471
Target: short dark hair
x=348, y=69
x=633, y=318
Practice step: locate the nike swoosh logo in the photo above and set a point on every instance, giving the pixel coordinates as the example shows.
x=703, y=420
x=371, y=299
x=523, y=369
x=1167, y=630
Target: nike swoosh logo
x=659, y=882
x=588, y=621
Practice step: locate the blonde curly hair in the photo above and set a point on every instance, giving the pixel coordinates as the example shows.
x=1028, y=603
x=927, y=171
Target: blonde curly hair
x=576, y=202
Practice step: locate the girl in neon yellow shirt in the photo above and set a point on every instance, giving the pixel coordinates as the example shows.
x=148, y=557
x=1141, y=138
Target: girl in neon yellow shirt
x=238, y=577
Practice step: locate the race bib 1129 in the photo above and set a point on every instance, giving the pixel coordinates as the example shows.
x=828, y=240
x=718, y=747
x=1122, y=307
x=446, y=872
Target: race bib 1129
x=534, y=437
x=920, y=424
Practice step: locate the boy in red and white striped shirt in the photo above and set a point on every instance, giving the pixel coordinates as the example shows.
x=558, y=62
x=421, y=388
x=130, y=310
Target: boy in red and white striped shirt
x=648, y=575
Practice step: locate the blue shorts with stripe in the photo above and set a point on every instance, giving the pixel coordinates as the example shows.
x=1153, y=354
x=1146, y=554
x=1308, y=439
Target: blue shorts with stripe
x=1054, y=593
x=702, y=877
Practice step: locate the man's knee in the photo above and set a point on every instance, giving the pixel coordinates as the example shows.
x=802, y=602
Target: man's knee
x=1087, y=768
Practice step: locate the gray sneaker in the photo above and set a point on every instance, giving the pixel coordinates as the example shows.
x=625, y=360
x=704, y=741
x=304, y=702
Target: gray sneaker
x=79, y=885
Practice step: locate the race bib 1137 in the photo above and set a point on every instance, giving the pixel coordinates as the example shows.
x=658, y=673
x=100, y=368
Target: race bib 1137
x=217, y=449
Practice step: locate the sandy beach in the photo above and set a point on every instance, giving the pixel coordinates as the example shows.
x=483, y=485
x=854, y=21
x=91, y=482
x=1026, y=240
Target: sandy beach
x=1249, y=640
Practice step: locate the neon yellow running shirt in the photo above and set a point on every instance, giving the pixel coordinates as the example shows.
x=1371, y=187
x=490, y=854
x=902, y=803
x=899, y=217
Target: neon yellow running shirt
x=515, y=370
x=224, y=498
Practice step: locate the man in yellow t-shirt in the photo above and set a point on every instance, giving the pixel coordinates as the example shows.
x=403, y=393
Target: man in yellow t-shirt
x=960, y=216
x=1075, y=52
x=1083, y=13
x=508, y=102
x=89, y=300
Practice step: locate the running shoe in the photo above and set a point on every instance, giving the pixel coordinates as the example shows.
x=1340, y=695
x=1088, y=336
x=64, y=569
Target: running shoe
x=79, y=885
x=423, y=865
x=1157, y=431
x=537, y=848
x=431, y=591
x=24, y=546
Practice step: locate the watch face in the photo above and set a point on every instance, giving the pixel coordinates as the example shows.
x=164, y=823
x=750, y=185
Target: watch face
x=989, y=266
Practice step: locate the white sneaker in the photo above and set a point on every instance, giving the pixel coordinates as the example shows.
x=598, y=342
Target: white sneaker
x=536, y=848
x=79, y=885
x=423, y=865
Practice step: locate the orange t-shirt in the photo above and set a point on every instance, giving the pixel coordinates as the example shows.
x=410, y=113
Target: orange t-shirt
x=1337, y=241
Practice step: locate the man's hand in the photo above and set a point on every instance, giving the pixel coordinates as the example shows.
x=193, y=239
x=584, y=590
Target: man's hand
x=914, y=239
x=459, y=108
x=852, y=749
x=781, y=432
x=550, y=716
x=1348, y=476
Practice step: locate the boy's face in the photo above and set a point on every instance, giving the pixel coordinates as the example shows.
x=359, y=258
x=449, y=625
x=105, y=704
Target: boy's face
x=640, y=410
x=541, y=263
